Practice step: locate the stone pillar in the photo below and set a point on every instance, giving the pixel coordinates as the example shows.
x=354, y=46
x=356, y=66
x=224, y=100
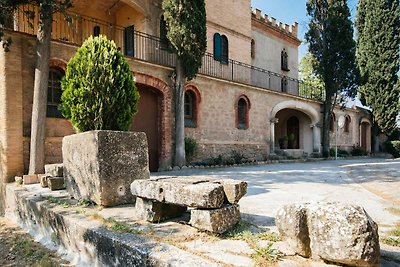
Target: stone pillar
x=11, y=112
x=316, y=138
x=272, y=136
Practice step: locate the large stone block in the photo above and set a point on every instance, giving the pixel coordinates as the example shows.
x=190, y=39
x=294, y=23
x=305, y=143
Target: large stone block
x=56, y=183
x=101, y=165
x=184, y=193
x=335, y=232
x=154, y=211
x=343, y=233
x=215, y=220
x=55, y=170
x=291, y=221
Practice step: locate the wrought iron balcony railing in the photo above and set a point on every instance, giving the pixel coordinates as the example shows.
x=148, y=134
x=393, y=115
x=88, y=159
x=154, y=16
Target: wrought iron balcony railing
x=76, y=29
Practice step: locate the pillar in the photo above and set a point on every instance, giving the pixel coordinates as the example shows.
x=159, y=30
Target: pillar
x=272, y=136
x=316, y=138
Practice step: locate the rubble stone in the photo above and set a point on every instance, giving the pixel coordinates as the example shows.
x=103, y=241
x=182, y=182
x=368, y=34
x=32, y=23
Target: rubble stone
x=215, y=220
x=30, y=179
x=234, y=189
x=56, y=183
x=55, y=170
x=43, y=180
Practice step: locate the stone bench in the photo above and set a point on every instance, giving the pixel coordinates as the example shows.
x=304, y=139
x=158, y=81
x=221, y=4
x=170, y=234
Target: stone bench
x=213, y=202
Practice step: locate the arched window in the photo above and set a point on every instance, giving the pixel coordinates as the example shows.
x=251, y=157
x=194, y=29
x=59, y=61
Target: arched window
x=284, y=60
x=284, y=85
x=347, y=124
x=221, y=48
x=190, y=109
x=242, y=113
x=96, y=31
x=332, y=124
x=253, y=49
x=54, y=93
x=163, y=33
x=224, y=49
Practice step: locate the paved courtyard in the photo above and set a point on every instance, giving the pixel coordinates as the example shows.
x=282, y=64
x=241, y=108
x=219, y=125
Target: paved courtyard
x=371, y=183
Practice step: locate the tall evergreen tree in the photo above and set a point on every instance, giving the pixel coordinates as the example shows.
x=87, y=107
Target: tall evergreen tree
x=46, y=10
x=186, y=30
x=330, y=36
x=378, y=58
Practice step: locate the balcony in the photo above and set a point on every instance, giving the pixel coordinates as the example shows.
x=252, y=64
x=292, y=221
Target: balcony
x=141, y=46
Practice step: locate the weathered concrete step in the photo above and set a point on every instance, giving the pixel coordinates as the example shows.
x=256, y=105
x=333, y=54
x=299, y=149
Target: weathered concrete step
x=87, y=242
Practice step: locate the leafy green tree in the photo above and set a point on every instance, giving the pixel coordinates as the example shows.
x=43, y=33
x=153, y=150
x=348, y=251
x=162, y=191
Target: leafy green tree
x=98, y=89
x=313, y=85
x=186, y=30
x=378, y=58
x=330, y=36
x=38, y=126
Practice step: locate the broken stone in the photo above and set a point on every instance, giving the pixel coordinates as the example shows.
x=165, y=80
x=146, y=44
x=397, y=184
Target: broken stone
x=55, y=170
x=172, y=191
x=43, y=180
x=291, y=221
x=215, y=220
x=30, y=179
x=344, y=234
x=234, y=190
x=154, y=211
x=101, y=165
x=19, y=180
x=56, y=183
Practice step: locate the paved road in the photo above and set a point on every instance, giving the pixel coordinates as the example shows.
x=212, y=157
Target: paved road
x=371, y=183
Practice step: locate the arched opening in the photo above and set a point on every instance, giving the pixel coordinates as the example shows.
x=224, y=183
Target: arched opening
x=242, y=113
x=54, y=92
x=365, y=136
x=190, y=109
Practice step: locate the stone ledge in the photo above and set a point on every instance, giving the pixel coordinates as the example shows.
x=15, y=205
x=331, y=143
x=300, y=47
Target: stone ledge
x=92, y=243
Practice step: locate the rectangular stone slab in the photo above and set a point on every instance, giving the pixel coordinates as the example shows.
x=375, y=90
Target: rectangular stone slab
x=30, y=179
x=201, y=195
x=153, y=211
x=55, y=170
x=56, y=183
x=216, y=220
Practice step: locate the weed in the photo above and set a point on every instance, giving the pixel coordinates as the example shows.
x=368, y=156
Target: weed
x=396, y=231
x=395, y=242
x=264, y=256
x=394, y=211
x=54, y=237
x=53, y=200
x=269, y=236
x=122, y=227
x=65, y=204
x=86, y=202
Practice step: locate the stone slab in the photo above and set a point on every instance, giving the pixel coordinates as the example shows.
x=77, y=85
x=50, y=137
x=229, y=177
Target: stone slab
x=56, y=183
x=31, y=179
x=199, y=195
x=101, y=165
x=215, y=220
x=156, y=211
x=55, y=170
x=234, y=189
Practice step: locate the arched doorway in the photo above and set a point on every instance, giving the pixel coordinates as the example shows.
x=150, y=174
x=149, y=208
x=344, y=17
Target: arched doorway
x=147, y=120
x=293, y=132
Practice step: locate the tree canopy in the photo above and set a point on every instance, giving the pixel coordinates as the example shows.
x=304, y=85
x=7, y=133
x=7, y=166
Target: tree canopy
x=330, y=36
x=311, y=80
x=378, y=58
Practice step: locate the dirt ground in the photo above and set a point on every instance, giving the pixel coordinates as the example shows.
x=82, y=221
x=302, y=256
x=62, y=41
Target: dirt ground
x=17, y=248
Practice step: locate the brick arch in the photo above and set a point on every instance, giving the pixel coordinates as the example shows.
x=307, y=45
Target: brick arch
x=58, y=64
x=164, y=92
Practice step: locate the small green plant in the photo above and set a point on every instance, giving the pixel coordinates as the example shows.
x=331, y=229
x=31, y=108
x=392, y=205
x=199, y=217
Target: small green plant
x=265, y=255
x=86, y=202
x=98, y=89
x=190, y=147
x=358, y=151
x=238, y=157
x=122, y=227
x=395, y=242
x=269, y=236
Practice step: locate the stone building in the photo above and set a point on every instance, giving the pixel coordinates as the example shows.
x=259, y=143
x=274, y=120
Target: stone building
x=245, y=98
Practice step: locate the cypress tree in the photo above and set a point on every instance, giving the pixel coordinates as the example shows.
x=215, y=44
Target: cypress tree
x=330, y=36
x=186, y=30
x=378, y=58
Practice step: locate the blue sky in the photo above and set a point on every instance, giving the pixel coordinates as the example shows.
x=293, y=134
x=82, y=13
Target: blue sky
x=289, y=11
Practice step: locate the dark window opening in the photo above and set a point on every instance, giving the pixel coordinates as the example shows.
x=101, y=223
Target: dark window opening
x=221, y=48
x=190, y=109
x=253, y=49
x=217, y=46
x=165, y=44
x=284, y=60
x=347, y=124
x=96, y=31
x=129, y=41
x=54, y=93
x=242, y=114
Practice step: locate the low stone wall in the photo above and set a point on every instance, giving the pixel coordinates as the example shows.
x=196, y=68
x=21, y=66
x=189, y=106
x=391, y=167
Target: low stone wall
x=250, y=152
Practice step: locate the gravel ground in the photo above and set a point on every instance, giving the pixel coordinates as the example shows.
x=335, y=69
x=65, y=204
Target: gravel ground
x=17, y=248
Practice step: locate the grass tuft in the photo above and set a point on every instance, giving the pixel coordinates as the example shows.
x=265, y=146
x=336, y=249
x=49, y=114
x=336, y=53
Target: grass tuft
x=395, y=242
x=264, y=256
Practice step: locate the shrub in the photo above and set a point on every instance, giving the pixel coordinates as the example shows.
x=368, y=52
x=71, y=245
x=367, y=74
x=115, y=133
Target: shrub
x=358, y=151
x=393, y=147
x=98, y=89
x=190, y=147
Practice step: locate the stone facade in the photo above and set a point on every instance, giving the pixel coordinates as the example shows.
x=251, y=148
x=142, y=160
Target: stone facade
x=216, y=130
